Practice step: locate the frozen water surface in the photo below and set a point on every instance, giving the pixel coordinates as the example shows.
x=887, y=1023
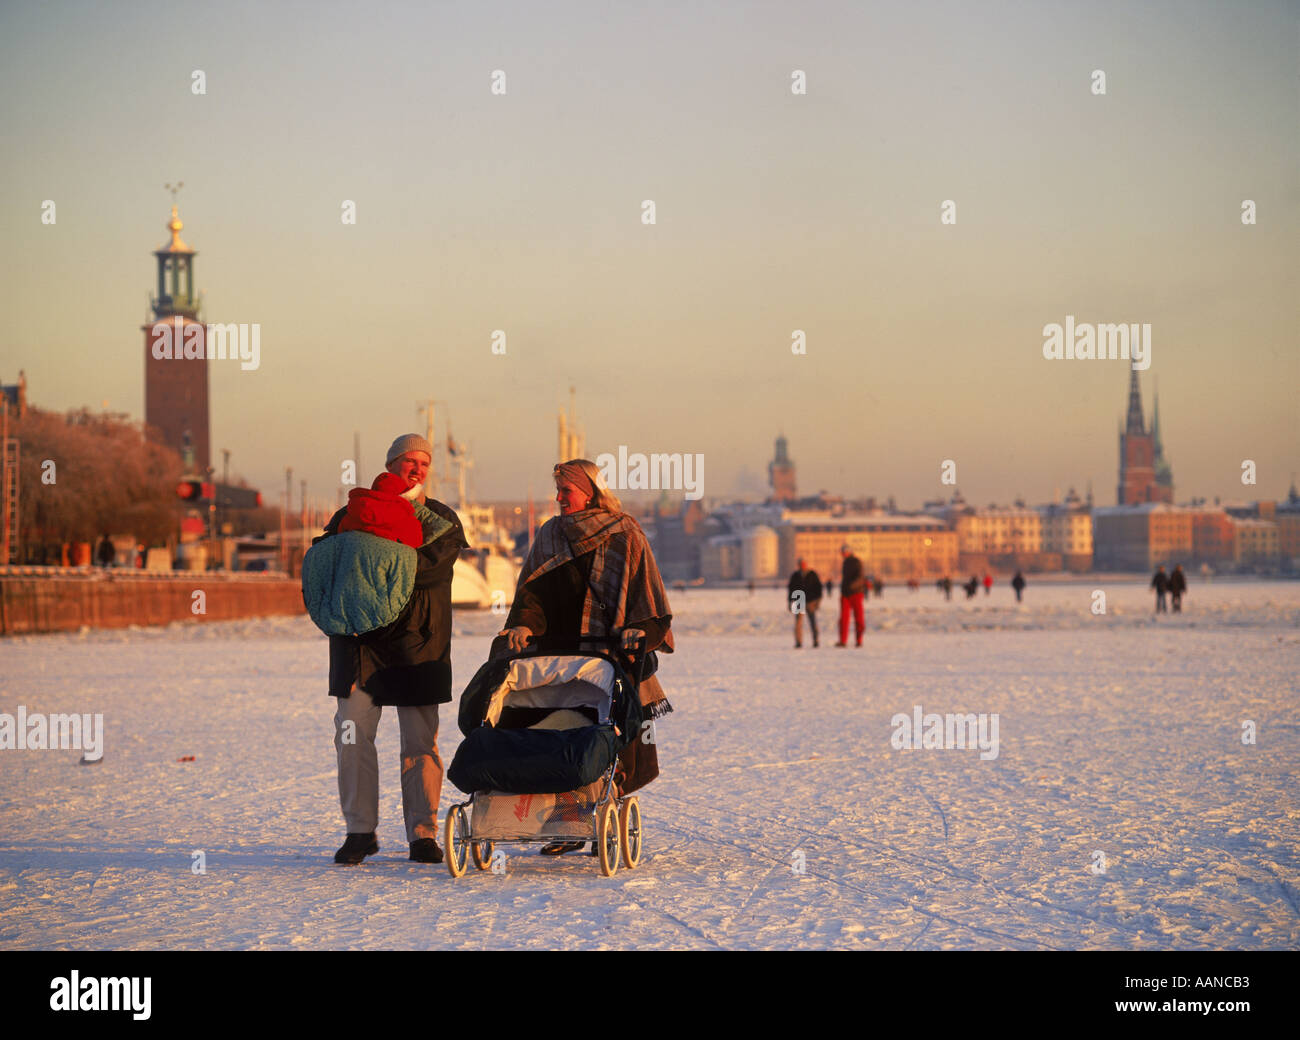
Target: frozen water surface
x=1123, y=809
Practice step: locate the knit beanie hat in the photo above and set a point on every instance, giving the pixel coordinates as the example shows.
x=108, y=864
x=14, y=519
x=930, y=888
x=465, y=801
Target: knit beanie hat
x=408, y=442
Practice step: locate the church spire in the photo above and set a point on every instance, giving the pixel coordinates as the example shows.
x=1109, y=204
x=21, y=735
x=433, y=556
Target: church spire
x=1155, y=424
x=1134, y=424
x=1163, y=471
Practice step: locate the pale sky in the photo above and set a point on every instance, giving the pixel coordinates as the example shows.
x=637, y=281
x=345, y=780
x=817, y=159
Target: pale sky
x=774, y=212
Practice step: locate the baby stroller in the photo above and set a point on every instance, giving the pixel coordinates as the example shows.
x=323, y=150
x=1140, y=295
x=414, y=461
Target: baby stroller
x=542, y=737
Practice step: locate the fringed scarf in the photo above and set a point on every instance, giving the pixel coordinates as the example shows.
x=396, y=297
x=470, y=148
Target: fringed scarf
x=625, y=586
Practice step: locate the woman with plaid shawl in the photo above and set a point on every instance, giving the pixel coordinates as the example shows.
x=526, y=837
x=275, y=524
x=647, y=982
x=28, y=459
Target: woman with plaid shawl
x=590, y=573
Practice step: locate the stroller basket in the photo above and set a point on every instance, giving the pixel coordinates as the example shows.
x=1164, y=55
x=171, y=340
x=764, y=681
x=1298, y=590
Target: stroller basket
x=503, y=817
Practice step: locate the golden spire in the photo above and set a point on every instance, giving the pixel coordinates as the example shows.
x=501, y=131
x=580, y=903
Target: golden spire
x=174, y=225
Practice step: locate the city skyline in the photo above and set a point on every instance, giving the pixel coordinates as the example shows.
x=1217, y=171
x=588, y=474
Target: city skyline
x=775, y=212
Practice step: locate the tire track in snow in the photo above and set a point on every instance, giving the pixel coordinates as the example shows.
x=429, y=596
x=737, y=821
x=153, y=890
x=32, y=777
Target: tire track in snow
x=908, y=904
x=944, y=819
x=690, y=928
x=913, y=861
x=937, y=808
x=1282, y=885
x=757, y=885
x=922, y=932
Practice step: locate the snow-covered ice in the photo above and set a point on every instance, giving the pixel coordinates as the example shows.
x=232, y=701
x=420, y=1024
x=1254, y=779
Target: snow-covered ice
x=1120, y=744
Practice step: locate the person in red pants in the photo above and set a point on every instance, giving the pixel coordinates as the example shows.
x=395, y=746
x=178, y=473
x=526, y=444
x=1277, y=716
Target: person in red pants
x=851, y=586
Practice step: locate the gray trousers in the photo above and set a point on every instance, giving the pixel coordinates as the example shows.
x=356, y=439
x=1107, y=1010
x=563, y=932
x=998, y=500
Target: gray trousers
x=811, y=609
x=359, y=765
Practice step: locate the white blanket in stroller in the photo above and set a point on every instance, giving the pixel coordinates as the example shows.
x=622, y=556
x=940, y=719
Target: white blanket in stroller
x=560, y=681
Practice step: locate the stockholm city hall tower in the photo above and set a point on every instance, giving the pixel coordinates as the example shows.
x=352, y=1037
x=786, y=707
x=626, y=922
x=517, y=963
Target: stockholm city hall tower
x=176, y=386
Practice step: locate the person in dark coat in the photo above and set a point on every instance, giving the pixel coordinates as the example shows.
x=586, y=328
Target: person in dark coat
x=106, y=552
x=1018, y=583
x=945, y=583
x=590, y=574
x=405, y=665
x=1160, y=582
x=806, y=581
x=852, y=584
x=972, y=587
x=1177, y=586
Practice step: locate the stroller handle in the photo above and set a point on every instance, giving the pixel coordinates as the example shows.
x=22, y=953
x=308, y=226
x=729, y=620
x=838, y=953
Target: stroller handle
x=614, y=641
x=638, y=653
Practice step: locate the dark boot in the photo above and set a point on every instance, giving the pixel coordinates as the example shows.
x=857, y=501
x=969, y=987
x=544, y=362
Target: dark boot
x=356, y=848
x=425, y=850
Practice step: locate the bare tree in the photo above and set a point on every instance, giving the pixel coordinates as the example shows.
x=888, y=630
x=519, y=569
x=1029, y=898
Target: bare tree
x=84, y=474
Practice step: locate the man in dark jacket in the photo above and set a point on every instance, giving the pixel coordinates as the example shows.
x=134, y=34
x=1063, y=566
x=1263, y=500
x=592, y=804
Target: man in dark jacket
x=1160, y=582
x=1177, y=586
x=406, y=664
x=852, y=584
x=106, y=553
x=807, y=582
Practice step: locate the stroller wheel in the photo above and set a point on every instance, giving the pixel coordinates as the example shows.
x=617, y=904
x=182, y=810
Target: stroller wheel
x=629, y=832
x=482, y=854
x=456, y=838
x=607, y=840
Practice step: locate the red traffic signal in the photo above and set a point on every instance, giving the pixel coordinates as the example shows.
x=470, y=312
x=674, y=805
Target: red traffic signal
x=194, y=490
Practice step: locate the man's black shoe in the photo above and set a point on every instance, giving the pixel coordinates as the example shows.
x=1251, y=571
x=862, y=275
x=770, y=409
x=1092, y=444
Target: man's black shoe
x=425, y=850
x=357, y=848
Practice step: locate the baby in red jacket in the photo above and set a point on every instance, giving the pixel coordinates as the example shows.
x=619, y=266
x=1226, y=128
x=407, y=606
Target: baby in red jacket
x=381, y=510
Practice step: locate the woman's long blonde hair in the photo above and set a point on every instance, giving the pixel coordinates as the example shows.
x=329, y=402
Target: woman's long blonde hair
x=602, y=497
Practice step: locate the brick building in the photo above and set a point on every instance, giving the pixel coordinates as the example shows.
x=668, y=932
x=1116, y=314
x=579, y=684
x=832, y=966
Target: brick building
x=893, y=548
x=1213, y=536
x=1140, y=537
